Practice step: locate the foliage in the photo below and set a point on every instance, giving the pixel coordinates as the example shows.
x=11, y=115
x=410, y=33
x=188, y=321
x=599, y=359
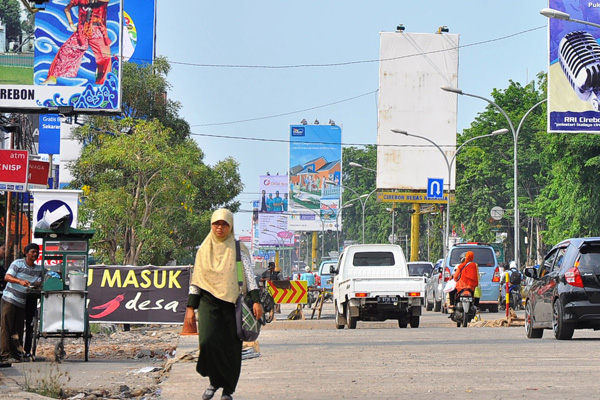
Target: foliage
x=150, y=201
x=145, y=96
x=46, y=380
x=10, y=15
x=484, y=176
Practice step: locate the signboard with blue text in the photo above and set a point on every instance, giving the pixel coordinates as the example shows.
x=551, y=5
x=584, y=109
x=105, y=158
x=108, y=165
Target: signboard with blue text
x=77, y=61
x=315, y=175
x=574, y=68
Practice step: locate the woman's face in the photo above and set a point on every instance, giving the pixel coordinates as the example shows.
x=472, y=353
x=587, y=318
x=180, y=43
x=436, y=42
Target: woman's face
x=221, y=229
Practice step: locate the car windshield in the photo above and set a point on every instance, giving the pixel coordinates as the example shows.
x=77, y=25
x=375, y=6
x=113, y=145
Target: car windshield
x=419, y=269
x=373, y=258
x=484, y=256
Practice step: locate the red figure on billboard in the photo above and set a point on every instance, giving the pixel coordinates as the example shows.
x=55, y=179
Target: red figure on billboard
x=90, y=32
x=108, y=307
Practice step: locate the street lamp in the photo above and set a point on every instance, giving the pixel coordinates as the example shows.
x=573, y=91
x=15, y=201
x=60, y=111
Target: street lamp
x=393, y=211
x=449, y=165
x=363, y=203
x=357, y=165
x=551, y=13
x=515, y=172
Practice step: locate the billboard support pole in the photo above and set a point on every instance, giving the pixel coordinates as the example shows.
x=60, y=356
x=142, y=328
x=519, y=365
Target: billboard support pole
x=314, y=250
x=414, y=231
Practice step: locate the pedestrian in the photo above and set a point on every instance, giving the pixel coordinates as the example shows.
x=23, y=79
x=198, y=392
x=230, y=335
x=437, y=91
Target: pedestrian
x=214, y=290
x=2, y=268
x=22, y=275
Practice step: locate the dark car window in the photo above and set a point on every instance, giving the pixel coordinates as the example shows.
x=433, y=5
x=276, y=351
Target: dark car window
x=590, y=258
x=419, y=269
x=547, y=265
x=560, y=256
x=483, y=257
x=373, y=258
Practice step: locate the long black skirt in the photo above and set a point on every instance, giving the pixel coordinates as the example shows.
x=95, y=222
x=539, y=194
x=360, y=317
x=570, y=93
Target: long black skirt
x=220, y=356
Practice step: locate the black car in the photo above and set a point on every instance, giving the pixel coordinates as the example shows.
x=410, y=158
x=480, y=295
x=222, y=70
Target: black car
x=565, y=292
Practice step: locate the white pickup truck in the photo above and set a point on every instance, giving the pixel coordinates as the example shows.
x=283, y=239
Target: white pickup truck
x=372, y=283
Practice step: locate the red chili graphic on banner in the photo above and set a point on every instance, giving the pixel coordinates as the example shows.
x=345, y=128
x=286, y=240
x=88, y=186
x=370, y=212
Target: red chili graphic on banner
x=108, y=307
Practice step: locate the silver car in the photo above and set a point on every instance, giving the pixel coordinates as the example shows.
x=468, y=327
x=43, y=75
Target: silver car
x=434, y=287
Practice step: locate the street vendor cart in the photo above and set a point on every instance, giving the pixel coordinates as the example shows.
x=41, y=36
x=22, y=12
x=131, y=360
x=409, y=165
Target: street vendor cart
x=63, y=304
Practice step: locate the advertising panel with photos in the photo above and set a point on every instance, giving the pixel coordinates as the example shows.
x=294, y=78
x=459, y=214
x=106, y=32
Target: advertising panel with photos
x=315, y=177
x=76, y=64
x=574, y=68
x=273, y=211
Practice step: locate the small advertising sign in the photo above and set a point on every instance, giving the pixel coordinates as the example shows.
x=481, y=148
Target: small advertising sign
x=38, y=174
x=14, y=170
x=49, y=134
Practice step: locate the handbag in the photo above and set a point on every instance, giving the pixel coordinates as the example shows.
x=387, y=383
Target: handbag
x=248, y=327
x=450, y=286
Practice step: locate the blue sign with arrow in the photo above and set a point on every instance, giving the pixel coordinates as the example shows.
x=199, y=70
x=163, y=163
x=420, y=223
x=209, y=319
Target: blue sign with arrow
x=435, y=188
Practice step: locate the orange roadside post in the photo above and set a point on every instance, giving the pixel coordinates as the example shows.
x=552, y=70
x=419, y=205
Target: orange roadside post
x=189, y=326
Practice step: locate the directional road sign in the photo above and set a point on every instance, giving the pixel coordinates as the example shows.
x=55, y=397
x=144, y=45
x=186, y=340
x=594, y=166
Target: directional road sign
x=289, y=292
x=435, y=188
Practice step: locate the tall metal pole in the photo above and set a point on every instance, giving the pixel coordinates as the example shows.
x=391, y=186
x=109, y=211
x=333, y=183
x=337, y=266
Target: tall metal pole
x=393, y=212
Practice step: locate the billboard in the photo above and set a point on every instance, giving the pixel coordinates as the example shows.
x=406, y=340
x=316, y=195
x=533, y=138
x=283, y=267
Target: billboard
x=574, y=69
x=272, y=211
x=76, y=64
x=315, y=176
x=137, y=294
x=14, y=170
x=414, y=67
x=139, y=22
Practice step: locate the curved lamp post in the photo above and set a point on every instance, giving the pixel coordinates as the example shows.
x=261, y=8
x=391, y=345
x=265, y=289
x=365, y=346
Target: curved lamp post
x=551, y=13
x=449, y=165
x=515, y=134
x=363, y=203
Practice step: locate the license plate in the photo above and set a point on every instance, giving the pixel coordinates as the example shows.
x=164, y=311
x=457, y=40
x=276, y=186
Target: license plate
x=387, y=299
x=470, y=299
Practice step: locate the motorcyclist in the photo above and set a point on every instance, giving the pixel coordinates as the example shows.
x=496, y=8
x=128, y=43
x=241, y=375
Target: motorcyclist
x=272, y=273
x=518, y=277
x=466, y=275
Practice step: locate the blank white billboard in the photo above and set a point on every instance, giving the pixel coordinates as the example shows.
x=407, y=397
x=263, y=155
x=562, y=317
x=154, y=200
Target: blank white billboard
x=413, y=68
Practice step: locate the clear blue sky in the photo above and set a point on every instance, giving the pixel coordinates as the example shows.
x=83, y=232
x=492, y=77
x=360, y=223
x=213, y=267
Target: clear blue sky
x=284, y=32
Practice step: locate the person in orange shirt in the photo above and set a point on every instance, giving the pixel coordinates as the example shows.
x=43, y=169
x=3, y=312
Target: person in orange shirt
x=466, y=276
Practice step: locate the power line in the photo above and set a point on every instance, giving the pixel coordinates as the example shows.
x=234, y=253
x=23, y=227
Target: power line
x=339, y=64
x=291, y=112
x=287, y=141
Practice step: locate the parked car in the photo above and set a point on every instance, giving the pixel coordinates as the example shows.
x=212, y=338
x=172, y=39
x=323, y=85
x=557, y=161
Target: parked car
x=420, y=268
x=565, y=292
x=434, y=286
x=489, y=272
x=324, y=274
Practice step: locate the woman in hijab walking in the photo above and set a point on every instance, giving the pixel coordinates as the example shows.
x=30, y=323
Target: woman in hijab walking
x=214, y=290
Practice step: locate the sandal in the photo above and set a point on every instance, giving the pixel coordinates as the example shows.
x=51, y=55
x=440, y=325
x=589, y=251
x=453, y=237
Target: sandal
x=209, y=392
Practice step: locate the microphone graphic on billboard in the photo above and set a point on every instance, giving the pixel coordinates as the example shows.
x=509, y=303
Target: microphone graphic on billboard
x=579, y=58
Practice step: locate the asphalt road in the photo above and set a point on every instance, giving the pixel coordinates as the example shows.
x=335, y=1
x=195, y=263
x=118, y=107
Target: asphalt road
x=312, y=360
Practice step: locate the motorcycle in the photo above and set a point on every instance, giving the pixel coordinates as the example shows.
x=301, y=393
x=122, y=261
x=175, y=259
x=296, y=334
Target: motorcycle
x=464, y=308
x=515, y=300
x=268, y=304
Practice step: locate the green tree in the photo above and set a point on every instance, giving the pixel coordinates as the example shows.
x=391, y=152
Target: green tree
x=145, y=89
x=149, y=201
x=148, y=193
x=485, y=167
x=10, y=15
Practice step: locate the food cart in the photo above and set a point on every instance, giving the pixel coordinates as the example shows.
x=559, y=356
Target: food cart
x=63, y=303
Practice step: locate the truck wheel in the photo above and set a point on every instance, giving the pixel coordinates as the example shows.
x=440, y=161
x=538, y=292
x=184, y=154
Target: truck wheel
x=414, y=321
x=338, y=325
x=351, y=321
x=437, y=306
x=493, y=308
x=402, y=322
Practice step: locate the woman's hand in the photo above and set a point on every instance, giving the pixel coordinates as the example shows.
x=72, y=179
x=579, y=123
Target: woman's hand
x=258, y=310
